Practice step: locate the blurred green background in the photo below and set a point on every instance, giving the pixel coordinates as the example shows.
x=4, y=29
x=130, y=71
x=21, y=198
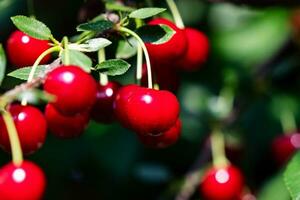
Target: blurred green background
x=259, y=46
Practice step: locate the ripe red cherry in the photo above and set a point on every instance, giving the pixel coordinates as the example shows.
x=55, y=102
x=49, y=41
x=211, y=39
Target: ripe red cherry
x=103, y=110
x=65, y=126
x=171, y=50
x=146, y=110
x=26, y=182
x=163, y=140
x=222, y=184
x=75, y=90
x=31, y=126
x=23, y=50
x=197, y=50
x=284, y=146
x=166, y=77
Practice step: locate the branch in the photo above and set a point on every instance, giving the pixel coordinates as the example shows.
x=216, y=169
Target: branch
x=11, y=94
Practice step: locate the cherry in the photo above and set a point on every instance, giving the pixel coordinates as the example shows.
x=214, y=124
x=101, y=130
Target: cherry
x=23, y=50
x=103, y=110
x=284, y=146
x=75, y=90
x=146, y=111
x=65, y=126
x=164, y=140
x=197, y=50
x=222, y=183
x=166, y=77
x=26, y=182
x=171, y=50
x=31, y=127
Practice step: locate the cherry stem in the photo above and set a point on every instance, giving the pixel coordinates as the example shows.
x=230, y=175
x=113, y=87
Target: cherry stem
x=288, y=122
x=218, y=149
x=16, y=150
x=36, y=63
x=176, y=15
x=102, y=58
x=139, y=64
x=142, y=44
x=67, y=52
x=30, y=8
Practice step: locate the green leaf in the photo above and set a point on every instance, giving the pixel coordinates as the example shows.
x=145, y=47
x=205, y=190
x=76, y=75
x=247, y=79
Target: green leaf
x=118, y=7
x=126, y=49
x=24, y=72
x=113, y=67
x=98, y=26
x=155, y=34
x=276, y=183
x=2, y=63
x=32, y=27
x=79, y=59
x=292, y=177
x=144, y=13
x=91, y=45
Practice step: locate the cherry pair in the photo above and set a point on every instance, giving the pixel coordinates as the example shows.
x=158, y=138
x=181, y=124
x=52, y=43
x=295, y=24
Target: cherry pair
x=224, y=183
x=187, y=49
x=152, y=114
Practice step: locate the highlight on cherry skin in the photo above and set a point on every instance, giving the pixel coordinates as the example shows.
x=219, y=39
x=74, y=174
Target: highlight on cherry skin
x=103, y=109
x=31, y=127
x=224, y=183
x=23, y=50
x=63, y=126
x=24, y=182
x=74, y=89
x=146, y=111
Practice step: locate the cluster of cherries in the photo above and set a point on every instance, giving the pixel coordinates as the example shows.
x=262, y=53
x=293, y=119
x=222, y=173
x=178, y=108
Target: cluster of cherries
x=152, y=114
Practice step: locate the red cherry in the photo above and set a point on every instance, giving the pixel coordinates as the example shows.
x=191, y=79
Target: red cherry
x=65, y=126
x=222, y=184
x=146, y=110
x=23, y=50
x=284, y=146
x=166, y=77
x=197, y=50
x=31, y=126
x=103, y=110
x=164, y=140
x=26, y=182
x=171, y=50
x=75, y=90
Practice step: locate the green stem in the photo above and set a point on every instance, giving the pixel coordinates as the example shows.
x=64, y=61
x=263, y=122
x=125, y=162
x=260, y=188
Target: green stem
x=139, y=64
x=102, y=58
x=288, y=122
x=30, y=8
x=176, y=15
x=67, y=51
x=16, y=150
x=85, y=36
x=54, y=40
x=218, y=149
x=37, y=62
x=140, y=41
